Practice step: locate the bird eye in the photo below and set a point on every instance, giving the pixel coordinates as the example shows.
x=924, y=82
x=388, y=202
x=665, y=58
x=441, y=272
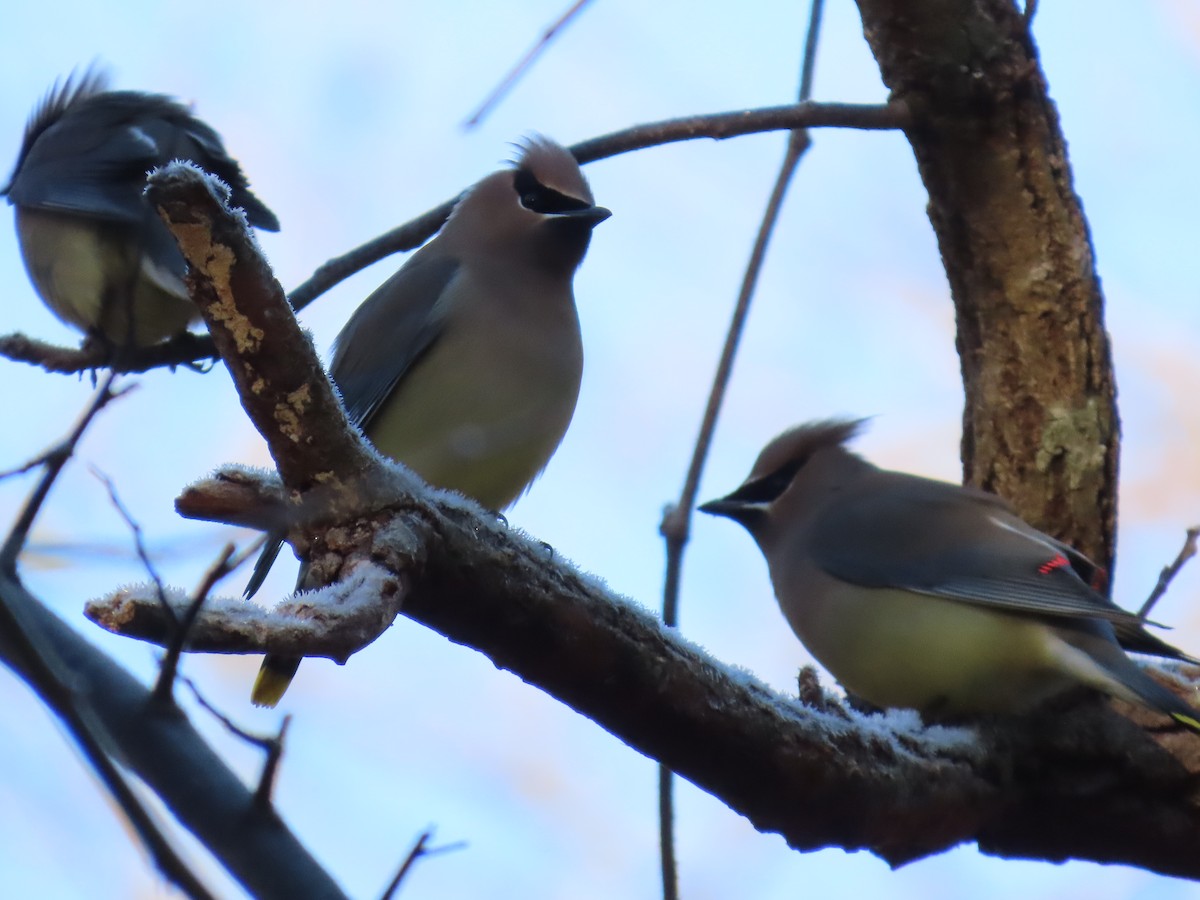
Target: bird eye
x=538, y=198
x=770, y=486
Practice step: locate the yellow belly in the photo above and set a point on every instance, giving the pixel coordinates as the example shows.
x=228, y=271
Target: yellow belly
x=93, y=280
x=897, y=649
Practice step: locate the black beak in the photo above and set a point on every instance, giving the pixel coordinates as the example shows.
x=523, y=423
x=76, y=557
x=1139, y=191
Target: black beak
x=723, y=506
x=593, y=215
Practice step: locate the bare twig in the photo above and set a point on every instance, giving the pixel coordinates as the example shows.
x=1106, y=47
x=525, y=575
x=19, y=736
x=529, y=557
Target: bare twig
x=526, y=61
x=266, y=782
x=419, y=849
x=185, y=350
x=1186, y=552
x=273, y=746
x=42, y=458
x=249, y=552
x=232, y=727
x=139, y=542
x=55, y=459
x=676, y=521
x=165, y=684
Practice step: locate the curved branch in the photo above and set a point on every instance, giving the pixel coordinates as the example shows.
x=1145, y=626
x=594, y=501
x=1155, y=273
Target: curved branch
x=1040, y=423
x=816, y=773
x=688, y=128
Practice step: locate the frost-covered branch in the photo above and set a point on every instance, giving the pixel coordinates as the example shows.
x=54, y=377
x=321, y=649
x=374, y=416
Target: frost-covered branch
x=815, y=772
x=333, y=622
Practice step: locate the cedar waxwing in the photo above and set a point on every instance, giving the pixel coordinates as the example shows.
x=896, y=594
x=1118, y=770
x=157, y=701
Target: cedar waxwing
x=95, y=249
x=465, y=365
x=923, y=594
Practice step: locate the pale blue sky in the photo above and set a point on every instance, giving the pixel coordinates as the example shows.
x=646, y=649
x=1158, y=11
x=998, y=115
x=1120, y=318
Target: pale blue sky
x=346, y=118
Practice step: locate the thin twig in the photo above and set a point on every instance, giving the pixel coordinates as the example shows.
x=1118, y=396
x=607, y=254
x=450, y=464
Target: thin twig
x=232, y=727
x=273, y=746
x=190, y=350
x=39, y=460
x=249, y=552
x=676, y=521
x=526, y=61
x=1186, y=552
x=55, y=460
x=266, y=781
x=139, y=542
x=419, y=850
x=876, y=117
x=165, y=685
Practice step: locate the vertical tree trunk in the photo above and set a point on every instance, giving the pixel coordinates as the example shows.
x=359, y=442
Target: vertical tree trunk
x=1040, y=425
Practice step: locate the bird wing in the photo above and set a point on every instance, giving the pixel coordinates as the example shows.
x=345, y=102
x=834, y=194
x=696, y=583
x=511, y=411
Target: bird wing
x=93, y=159
x=403, y=315
x=900, y=531
x=1136, y=639
x=86, y=163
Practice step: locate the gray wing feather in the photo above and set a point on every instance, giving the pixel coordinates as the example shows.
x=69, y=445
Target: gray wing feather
x=88, y=154
x=389, y=333
x=983, y=553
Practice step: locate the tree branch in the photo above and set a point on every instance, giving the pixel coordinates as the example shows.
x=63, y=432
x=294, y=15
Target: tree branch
x=688, y=128
x=506, y=83
x=184, y=350
x=818, y=776
x=1040, y=425
x=162, y=748
x=191, y=349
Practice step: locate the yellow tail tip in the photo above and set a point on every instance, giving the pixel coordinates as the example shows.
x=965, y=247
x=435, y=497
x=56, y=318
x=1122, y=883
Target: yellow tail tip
x=1187, y=721
x=273, y=679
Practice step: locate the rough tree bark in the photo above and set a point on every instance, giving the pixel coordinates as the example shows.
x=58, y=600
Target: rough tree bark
x=1040, y=424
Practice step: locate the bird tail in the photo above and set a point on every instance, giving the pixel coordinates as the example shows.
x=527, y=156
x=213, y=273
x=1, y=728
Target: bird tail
x=274, y=676
x=276, y=672
x=1188, y=721
x=262, y=566
x=1151, y=694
